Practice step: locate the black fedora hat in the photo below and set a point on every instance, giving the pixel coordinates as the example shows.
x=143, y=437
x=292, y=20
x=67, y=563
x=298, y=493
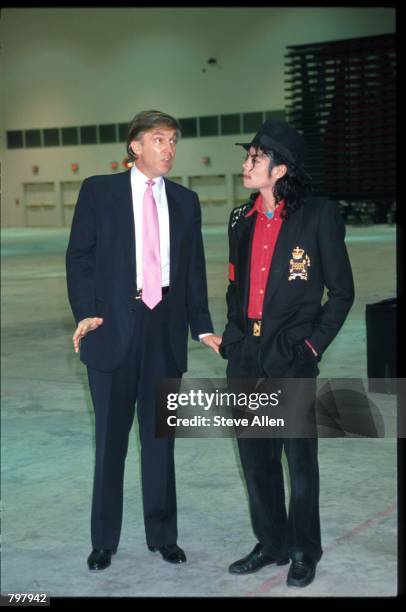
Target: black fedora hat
x=282, y=138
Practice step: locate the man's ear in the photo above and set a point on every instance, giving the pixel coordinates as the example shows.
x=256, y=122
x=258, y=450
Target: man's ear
x=280, y=171
x=136, y=146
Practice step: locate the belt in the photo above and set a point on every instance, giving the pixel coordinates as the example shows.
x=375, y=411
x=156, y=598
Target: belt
x=138, y=293
x=254, y=327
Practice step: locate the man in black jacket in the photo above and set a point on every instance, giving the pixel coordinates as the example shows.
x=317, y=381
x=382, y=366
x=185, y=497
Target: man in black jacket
x=136, y=282
x=285, y=249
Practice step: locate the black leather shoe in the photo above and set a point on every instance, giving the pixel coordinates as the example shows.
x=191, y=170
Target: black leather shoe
x=254, y=561
x=171, y=553
x=302, y=571
x=100, y=558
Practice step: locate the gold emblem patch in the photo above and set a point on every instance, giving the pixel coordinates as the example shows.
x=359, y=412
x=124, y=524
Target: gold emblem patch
x=298, y=264
x=256, y=329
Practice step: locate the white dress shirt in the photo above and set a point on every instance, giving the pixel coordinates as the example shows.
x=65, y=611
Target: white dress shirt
x=138, y=188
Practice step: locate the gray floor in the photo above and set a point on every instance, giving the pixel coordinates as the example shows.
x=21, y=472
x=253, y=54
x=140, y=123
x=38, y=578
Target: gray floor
x=48, y=446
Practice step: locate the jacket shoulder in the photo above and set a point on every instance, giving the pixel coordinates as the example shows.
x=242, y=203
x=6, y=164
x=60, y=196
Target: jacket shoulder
x=319, y=206
x=238, y=213
x=106, y=178
x=179, y=189
x=106, y=182
x=318, y=202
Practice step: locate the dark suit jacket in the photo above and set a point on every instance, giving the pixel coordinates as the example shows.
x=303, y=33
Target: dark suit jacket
x=101, y=274
x=292, y=308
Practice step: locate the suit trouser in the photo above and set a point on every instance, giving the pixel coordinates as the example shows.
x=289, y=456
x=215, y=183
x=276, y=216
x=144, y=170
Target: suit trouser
x=279, y=533
x=114, y=395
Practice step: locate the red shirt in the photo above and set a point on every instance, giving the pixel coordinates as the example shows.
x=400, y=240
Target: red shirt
x=266, y=233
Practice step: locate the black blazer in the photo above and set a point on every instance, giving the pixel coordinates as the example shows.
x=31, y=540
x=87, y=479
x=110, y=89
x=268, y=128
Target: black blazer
x=292, y=308
x=101, y=272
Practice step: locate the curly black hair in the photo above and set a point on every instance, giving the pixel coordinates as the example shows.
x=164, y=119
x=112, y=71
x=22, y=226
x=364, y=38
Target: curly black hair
x=293, y=187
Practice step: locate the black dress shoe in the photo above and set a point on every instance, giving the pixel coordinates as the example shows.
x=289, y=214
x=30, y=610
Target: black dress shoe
x=302, y=571
x=171, y=553
x=100, y=558
x=254, y=561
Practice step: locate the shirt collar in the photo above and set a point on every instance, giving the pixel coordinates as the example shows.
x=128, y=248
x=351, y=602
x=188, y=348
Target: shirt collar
x=139, y=179
x=258, y=208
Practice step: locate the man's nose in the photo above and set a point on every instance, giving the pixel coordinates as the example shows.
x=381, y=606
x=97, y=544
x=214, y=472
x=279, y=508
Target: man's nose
x=169, y=149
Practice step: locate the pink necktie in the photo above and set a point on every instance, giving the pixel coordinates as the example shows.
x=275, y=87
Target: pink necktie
x=151, y=255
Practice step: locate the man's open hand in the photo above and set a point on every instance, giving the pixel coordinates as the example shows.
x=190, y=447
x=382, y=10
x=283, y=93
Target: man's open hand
x=84, y=326
x=213, y=341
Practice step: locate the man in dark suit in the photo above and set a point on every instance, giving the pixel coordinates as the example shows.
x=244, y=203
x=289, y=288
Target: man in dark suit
x=285, y=249
x=136, y=282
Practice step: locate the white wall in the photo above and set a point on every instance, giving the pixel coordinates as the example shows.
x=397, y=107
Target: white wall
x=68, y=67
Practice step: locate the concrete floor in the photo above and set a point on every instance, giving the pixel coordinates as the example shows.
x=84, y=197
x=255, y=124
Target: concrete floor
x=48, y=447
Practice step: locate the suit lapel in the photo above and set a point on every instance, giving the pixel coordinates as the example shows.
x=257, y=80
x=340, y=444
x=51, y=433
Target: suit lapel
x=283, y=252
x=175, y=223
x=123, y=197
x=246, y=232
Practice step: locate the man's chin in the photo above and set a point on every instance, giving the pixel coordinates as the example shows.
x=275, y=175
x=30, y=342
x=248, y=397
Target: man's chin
x=166, y=168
